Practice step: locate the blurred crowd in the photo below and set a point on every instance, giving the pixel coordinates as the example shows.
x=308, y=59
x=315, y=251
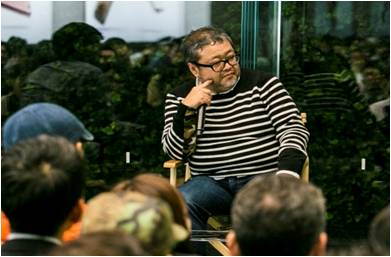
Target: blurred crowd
x=60, y=94
x=116, y=88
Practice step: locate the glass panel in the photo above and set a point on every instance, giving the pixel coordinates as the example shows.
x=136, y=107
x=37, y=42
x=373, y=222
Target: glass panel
x=268, y=37
x=335, y=64
x=227, y=15
x=260, y=27
x=249, y=34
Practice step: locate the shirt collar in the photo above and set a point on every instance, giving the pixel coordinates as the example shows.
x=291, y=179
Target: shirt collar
x=51, y=239
x=229, y=90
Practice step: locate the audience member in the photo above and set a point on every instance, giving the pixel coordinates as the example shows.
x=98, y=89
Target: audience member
x=42, y=183
x=379, y=233
x=37, y=119
x=278, y=215
x=103, y=243
x=147, y=219
x=74, y=76
x=43, y=118
x=154, y=185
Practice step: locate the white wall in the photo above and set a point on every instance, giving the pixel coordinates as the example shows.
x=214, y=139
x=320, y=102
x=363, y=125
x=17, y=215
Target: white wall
x=134, y=21
x=33, y=28
x=137, y=21
x=197, y=14
x=65, y=12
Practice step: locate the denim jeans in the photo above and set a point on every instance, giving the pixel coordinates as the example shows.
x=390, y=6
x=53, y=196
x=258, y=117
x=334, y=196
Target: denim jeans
x=206, y=197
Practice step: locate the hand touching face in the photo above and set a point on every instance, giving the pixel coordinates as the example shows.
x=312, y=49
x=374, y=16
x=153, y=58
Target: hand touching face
x=199, y=95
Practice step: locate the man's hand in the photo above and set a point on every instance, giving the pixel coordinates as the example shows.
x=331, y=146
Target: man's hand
x=199, y=95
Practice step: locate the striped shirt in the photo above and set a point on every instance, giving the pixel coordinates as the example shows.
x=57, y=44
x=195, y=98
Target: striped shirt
x=253, y=128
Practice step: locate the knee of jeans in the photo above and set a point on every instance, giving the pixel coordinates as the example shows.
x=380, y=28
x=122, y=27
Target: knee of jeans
x=190, y=197
x=192, y=188
x=194, y=192
x=195, y=208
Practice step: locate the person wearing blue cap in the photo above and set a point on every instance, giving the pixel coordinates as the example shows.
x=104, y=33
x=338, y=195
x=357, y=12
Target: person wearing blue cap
x=38, y=119
x=43, y=118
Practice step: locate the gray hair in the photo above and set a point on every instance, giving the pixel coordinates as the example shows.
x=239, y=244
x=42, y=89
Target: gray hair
x=274, y=211
x=201, y=37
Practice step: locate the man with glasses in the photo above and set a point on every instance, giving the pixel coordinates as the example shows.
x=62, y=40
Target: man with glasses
x=247, y=125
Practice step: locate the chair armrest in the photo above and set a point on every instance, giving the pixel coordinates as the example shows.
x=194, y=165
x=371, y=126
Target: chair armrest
x=172, y=164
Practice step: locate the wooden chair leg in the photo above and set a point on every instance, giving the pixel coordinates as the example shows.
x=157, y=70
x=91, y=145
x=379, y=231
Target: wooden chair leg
x=220, y=247
x=173, y=176
x=187, y=172
x=305, y=173
x=173, y=166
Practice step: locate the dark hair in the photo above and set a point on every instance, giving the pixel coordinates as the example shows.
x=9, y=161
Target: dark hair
x=278, y=215
x=102, y=243
x=75, y=41
x=16, y=46
x=42, y=179
x=113, y=42
x=201, y=37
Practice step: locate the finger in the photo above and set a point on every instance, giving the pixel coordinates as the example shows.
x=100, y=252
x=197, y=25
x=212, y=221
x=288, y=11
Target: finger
x=206, y=83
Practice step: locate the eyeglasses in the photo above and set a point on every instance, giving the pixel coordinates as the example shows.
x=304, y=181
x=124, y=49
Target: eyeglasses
x=219, y=66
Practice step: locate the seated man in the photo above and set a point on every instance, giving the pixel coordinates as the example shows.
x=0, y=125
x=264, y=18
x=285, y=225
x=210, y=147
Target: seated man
x=247, y=124
x=278, y=215
x=42, y=181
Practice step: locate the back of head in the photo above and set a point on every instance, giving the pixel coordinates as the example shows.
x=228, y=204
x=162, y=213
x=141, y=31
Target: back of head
x=147, y=219
x=118, y=45
x=278, y=215
x=16, y=46
x=379, y=233
x=200, y=38
x=77, y=41
x=156, y=186
x=42, y=179
x=43, y=118
x=103, y=243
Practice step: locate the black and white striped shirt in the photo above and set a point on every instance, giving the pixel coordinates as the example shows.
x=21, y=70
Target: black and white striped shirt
x=253, y=128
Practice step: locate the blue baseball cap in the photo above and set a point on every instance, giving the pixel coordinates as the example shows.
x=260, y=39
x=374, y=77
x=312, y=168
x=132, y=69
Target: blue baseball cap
x=43, y=118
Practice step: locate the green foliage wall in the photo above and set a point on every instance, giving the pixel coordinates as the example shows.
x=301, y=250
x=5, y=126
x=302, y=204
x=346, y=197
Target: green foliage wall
x=324, y=55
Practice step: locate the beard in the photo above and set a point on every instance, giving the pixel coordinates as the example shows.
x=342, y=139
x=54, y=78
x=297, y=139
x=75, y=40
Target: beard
x=225, y=84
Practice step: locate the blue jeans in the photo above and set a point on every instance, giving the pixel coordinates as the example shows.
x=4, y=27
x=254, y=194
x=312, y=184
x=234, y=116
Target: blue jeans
x=206, y=197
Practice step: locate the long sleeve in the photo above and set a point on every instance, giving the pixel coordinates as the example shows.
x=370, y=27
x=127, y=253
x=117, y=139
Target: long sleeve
x=179, y=140
x=290, y=132
x=172, y=138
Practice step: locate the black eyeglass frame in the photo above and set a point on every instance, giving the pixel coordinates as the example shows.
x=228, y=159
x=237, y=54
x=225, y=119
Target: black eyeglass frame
x=225, y=61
